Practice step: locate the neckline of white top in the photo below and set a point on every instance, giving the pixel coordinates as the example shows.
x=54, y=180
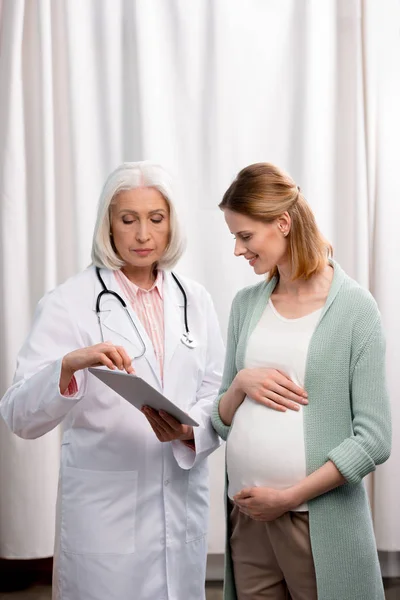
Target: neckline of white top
x=286, y=319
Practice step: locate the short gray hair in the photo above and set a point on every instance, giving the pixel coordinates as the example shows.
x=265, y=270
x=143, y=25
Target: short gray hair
x=129, y=176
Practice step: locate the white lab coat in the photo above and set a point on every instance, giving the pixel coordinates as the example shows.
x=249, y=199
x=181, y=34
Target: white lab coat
x=132, y=512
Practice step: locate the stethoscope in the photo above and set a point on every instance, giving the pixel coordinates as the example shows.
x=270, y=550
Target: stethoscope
x=186, y=339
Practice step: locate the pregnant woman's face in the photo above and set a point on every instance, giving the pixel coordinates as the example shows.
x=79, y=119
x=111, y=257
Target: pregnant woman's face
x=264, y=245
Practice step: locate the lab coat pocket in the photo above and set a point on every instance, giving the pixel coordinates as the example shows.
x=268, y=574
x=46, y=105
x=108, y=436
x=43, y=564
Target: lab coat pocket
x=197, y=504
x=98, y=511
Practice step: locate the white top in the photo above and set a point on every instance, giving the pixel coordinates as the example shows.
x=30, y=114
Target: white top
x=266, y=447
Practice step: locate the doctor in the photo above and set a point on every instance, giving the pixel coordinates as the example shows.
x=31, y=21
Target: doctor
x=133, y=489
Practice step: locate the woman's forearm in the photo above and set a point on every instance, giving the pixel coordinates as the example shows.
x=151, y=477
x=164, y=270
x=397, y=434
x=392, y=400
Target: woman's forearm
x=323, y=480
x=231, y=401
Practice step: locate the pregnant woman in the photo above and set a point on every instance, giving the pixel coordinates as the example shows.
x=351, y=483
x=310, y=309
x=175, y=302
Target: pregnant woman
x=299, y=523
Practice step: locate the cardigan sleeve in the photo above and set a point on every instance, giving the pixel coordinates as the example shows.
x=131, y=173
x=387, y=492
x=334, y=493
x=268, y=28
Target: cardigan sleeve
x=370, y=443
x=229, y=373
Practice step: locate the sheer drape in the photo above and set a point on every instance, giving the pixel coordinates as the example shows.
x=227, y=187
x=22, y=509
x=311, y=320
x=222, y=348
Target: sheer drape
x=205, y=88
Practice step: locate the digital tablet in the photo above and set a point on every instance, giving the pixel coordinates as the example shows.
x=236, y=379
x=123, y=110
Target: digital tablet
x=139, y=393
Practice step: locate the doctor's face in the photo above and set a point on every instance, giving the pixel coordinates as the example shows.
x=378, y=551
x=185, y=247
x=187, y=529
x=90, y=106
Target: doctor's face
x=262, y=244
x=140, y=226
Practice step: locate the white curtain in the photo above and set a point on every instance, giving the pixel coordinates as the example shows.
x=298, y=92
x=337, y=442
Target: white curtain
x=205, y=88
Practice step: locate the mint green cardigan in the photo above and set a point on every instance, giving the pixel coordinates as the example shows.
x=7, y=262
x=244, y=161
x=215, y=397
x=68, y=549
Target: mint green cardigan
x=347, y=421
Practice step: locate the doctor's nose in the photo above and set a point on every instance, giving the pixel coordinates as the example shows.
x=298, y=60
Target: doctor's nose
x=142, y=234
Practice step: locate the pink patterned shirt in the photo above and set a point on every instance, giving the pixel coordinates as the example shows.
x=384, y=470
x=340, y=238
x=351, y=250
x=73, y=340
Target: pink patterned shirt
x=149, y=307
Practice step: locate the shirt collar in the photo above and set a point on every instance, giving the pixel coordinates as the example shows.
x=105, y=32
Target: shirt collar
x=135, y=289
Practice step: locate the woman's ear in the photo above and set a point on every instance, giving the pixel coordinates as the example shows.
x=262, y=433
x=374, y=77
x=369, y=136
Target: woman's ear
x=284, y=223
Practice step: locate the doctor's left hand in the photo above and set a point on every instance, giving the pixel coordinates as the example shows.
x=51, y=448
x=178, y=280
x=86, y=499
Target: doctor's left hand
x=166, y=427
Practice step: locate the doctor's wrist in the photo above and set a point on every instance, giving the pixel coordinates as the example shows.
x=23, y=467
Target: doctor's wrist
x=66, y=375
x=65, y=366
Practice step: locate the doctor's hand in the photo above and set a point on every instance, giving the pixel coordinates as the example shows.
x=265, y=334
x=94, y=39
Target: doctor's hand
x=272, y=388
x=105, y=354
x=166, y=427
x=263, y=503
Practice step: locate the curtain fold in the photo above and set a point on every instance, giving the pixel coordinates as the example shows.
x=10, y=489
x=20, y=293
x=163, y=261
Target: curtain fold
x=28, y=469
x=205, y=90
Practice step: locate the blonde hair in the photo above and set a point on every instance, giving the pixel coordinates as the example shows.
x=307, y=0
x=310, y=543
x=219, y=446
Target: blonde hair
x=264, y=192
x=128, y=176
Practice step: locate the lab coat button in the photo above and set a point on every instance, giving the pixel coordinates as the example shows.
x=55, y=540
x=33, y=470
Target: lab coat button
x=166, y=482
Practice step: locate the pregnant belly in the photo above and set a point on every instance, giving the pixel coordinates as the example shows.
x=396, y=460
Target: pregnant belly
x=265, y=448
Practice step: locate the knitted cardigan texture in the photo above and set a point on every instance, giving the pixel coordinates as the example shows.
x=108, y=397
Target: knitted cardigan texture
x=347, y=421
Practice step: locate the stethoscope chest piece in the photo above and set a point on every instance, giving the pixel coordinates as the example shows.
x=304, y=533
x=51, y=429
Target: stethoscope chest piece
x=187, y=340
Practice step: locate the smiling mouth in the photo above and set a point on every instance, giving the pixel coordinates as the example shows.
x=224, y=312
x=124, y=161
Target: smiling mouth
x=252, y=261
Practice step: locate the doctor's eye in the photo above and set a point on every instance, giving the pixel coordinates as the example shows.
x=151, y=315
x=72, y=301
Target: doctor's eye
x=157, y=219
x=127, y=221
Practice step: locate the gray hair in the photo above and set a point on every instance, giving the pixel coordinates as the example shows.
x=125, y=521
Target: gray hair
x=129, y=176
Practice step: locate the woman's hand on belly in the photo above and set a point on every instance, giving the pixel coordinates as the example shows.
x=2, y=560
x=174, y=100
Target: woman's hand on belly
x=263, y=503
x=267, y=504
x=271, y=388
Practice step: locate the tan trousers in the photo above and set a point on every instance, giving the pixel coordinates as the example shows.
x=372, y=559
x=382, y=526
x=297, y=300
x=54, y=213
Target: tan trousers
x=272, y=561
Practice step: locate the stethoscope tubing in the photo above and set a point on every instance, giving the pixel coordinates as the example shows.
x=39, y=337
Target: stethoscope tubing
x=186, y=337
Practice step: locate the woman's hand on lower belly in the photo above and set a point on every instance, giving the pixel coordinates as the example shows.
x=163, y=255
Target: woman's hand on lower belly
x=267, y=504
x=263, y=503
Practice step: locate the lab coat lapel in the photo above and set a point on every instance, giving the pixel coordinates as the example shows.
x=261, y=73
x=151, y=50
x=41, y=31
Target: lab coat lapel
x=113, y=317
x=173, y=318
